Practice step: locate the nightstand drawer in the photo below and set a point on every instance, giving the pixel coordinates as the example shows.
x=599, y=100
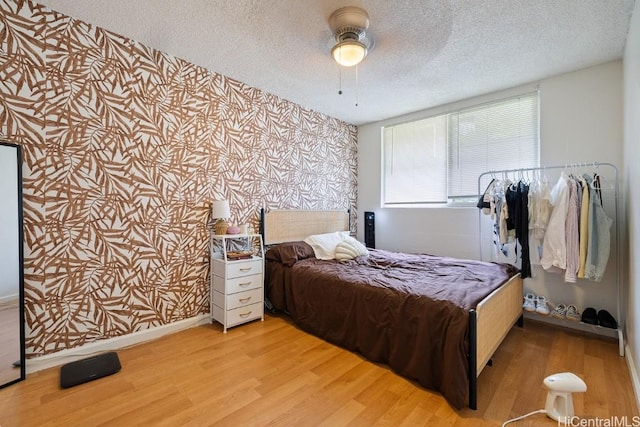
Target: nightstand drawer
x=233, y=269
x=243, y=268
x=242, y=299
x=244, y=314
x=238, y=284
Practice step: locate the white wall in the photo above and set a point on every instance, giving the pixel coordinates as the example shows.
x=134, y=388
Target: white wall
x=581, y=121
x=632, y=183
x=581, y=116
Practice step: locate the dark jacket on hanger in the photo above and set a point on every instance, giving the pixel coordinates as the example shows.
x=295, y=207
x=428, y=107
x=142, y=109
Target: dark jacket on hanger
x=517, y=197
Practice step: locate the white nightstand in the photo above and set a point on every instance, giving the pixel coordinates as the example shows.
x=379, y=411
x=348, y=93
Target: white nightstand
x=237, y=285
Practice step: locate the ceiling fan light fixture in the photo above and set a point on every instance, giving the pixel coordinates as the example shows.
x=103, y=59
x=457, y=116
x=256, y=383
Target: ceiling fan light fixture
x=349, y=52
x=349, y=25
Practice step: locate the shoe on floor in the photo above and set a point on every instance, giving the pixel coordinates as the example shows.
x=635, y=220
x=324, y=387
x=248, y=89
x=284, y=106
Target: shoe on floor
x=606, y=319
x=590, y=316
x=573, y=313
x=529, y=302
x=559, y=312
x=541, y=305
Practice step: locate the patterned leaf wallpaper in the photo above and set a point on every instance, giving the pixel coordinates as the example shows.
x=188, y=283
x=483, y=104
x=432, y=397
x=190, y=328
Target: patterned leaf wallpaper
x=124, y=147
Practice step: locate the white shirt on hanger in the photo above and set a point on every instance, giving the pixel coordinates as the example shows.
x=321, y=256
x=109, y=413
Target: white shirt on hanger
x=554, y=246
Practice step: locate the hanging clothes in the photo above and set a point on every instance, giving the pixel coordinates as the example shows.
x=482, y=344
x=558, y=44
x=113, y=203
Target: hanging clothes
x=564, y=228
x=508, y=208
x=599, y=236
x=507, y=230
x=584, y=224
x=490, y=204
x=500, y=225
x=554, y=246
x=572, y=231
x=540, y=210
x=522, y=227
x=484, y=202
x=493, y=203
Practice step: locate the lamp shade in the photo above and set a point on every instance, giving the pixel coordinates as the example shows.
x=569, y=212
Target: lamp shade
x=220, y=209
x=349, y=52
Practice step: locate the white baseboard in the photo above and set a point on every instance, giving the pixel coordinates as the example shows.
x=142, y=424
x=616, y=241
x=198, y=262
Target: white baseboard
x=50, y=360
x=9, y=298
x=634, y=375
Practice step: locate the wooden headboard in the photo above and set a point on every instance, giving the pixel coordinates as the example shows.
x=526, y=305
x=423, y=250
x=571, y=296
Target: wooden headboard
x=293, y=225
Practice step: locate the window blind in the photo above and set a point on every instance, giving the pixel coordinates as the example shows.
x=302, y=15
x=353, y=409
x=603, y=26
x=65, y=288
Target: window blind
x=439, y=159
x=415, y=162
x=499, y=135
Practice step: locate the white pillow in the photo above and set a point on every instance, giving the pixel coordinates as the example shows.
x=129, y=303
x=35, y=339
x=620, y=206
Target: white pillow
x=350, y=248
x=324, y=245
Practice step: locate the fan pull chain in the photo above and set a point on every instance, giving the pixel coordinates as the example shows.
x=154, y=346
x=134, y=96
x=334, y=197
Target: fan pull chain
x=357, y=85
x=339, y=80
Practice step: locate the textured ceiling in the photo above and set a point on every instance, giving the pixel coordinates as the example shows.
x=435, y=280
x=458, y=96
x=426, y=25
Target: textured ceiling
x=426, y=52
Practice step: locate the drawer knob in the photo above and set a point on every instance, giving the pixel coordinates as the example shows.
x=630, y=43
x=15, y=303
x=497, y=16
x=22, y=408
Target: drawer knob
x=243, y=315
x=245, y=269
x=244, y=284
x=243, y=300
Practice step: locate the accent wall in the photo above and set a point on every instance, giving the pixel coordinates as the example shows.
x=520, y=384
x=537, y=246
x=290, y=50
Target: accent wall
x=124, y=148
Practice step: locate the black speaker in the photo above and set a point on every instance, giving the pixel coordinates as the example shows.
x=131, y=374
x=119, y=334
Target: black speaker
x=82, y=371
x=369, y=230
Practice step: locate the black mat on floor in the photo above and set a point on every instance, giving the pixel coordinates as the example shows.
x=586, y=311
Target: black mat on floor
x=92, y=368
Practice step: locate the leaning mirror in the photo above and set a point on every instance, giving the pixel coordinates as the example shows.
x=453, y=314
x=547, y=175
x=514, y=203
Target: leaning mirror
x=12, y=367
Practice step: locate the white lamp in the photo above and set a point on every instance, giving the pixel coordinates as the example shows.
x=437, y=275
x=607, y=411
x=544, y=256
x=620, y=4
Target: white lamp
x=220, y=211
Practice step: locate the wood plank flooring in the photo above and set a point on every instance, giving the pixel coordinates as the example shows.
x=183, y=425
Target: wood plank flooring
x=9, y=341
x=271, y=373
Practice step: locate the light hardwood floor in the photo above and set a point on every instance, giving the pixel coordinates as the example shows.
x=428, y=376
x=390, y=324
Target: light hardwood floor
x=9, y=341
x=271, y=373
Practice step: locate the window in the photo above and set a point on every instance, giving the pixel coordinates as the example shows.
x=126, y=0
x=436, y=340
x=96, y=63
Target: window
x=438, y=159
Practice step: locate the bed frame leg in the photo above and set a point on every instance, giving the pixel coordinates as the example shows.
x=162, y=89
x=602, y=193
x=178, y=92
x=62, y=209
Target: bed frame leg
x=473, y=363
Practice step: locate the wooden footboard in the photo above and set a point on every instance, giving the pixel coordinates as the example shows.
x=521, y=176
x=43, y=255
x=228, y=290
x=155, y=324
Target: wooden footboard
x=489, y=324
x=496, y=314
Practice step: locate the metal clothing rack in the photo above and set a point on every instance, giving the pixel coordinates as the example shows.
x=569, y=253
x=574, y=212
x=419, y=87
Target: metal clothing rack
x=595, y=167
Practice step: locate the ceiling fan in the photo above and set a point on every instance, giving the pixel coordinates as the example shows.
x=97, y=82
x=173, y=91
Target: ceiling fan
x=349, y=25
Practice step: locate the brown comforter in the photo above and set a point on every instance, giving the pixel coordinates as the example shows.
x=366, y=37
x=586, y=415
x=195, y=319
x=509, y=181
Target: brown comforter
x=408, y=311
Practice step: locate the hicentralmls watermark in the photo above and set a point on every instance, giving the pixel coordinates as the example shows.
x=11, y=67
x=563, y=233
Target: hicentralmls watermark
x=614, y=421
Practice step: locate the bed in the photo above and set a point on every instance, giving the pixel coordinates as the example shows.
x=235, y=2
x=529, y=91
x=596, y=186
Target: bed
x=435, y=320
